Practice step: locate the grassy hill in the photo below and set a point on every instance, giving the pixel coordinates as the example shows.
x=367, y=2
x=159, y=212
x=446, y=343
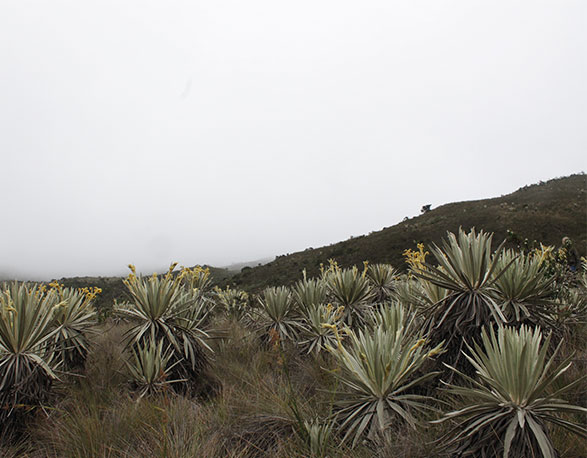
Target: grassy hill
x=545, y=212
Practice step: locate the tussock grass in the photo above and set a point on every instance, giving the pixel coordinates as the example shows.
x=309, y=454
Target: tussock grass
x=252, y=414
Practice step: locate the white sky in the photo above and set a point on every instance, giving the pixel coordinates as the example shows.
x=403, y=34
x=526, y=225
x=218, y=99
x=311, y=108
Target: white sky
x=216, y=131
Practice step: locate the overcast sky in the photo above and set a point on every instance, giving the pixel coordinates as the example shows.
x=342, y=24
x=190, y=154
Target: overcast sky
x=216, y=131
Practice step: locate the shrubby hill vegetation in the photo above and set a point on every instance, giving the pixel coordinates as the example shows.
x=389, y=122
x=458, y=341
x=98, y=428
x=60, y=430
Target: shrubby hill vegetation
x=544, y=212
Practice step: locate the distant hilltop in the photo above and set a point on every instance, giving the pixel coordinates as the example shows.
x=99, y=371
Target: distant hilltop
x=238, y=266
x=545, y=212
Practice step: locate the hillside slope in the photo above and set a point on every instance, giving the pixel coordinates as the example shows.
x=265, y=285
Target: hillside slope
x=545, y=212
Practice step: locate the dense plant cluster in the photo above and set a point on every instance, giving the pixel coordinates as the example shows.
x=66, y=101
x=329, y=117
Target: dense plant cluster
x=42, y=332
x=456, y=352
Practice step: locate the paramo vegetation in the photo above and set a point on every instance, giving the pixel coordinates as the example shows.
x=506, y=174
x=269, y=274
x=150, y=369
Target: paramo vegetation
x=476, y=351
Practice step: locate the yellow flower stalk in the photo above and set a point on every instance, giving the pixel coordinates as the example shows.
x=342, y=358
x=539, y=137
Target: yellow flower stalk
x=418, y=344
x=416, y=259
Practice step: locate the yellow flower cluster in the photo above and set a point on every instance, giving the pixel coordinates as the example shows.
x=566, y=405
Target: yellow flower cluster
x=170, y=270
x=55, y=285
x=8, y=305
x=132, y=277
x=544, y=253
x=332, y=266
x=337, y=333
x=337, y=315
x=90, y=292
x=197, y=278
x=416, y=259
x=197, y=272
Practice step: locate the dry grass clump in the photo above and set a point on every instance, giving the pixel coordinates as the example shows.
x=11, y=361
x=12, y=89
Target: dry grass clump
x=250, y=415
